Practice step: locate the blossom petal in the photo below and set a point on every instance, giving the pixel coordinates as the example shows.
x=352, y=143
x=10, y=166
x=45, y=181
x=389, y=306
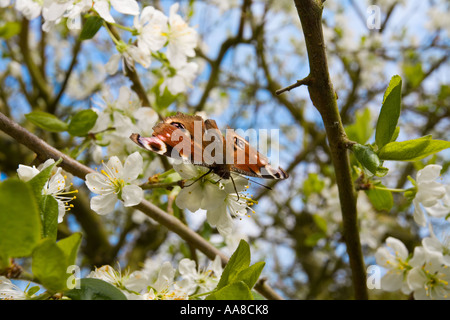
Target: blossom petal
x=104, y=203
x=382, y=256
x=430, y=173
x=187, y=266
x=26, y=173
x=113, y=64
x=165, y=276
x=187, y=170
x=438, y=210
x=190, y=197
x=126, y=6
x=133, y=167
x=102, y=8
x=213, y=196
x=392, y=281
x=98, y=183
x=419, y=216
x=61, y=211
x=132, y=195
x=399, y=248
x=221, y=220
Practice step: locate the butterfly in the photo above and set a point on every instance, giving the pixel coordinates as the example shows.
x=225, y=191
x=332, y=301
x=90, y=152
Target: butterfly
x=192, y=139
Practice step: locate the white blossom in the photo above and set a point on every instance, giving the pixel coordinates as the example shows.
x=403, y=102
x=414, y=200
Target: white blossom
x=219, y=199
x=102, y=7
x=55, y=186
x=433, y=245
x=128, y=55
x=165, y=288
x=432, y=195
x=116, y=182
x=429, y=277
x=182, y=39
x=181, y=80
x=200, y=280
x=394, y=258
x=151, y=26
x=9, y=291
x=31, y=9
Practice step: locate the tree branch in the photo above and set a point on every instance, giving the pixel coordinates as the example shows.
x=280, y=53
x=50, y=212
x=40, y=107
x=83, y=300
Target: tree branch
x=45, y=151
x=324, y=99
x=304, y=82
x=76, y=49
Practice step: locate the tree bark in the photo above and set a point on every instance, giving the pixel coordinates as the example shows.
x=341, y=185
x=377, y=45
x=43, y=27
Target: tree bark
x=324, y=99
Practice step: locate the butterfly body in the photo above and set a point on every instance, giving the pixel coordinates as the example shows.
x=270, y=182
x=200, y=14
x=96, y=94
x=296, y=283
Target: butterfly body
x=192, y=139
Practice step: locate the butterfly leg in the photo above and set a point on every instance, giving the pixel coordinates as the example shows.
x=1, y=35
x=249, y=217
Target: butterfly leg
x=203, y=175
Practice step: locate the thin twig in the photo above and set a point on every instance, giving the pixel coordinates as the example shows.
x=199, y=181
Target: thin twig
x=304, y=82
x=164, y=185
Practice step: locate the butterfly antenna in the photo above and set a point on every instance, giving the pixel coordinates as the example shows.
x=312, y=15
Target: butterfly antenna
x=234, y=185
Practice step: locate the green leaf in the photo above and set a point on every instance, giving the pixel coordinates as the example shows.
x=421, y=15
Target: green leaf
x=312, y=184
x=234, y=291
x=91, y=27
x=380, y=199
x=362, y=129
x=20, y=226
x=82, y=122
x=251, y=274
x=49, y=265
x=10, y=29
x=70, y=247
x=95, y=289
x=414, y=73
x=49, y=215
x=163, y=99
x=46, y=121
x=369, y=159
x=239, y=261
x=389, y=113
x=33, y=290
x=48, y=206
x=412, y=150
x=38, y=182
x=312, y=239
x=321, y=222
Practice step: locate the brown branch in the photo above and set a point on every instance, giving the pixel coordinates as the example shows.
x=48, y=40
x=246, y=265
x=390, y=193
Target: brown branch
x=37, y=77
x=215, y=64
x=44, y=151
x=304, y=82
x=76, y=49
x=323, y=96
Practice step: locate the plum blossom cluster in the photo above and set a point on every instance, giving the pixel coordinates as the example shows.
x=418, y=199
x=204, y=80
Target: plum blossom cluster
x=56, y=186
x=151, y=32
x=431, y=197
x=53, y=11
x=222, y=199
x=116, y=182
x=117, y=120
x=162, y=281
x=425, y=273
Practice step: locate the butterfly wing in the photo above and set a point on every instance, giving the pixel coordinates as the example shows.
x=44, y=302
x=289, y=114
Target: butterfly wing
x=191, y=139
x=250, y=162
